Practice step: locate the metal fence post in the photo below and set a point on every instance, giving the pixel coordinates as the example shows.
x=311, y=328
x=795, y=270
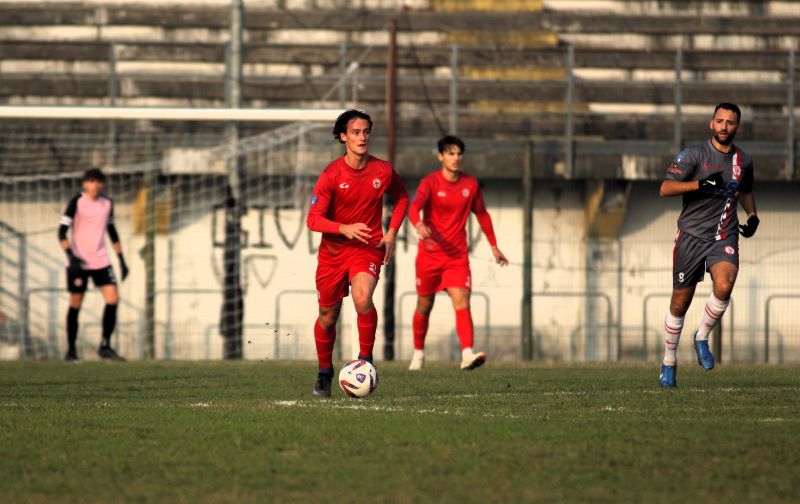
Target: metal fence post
x=23, y=296
x=569, y=149
x=343, y=74
x=527, y=252
x=112, y=101
x=790, y=154
x=678, y=100
x=454, y=89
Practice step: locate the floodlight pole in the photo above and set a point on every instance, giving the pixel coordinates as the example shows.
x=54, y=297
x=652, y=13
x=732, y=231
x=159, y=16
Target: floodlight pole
x=232, y=315
x=391, y=138
x=527, y=343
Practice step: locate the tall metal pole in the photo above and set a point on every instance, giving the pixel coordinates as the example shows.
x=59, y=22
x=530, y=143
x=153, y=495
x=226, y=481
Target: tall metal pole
x=527, y=253
x=569, y=149
x=342, y=76
x=149, y=252
x=232, y=315
x=391, y=138
x=112, y=101
x=678, y=100
x=454, y=90
x=790, y=140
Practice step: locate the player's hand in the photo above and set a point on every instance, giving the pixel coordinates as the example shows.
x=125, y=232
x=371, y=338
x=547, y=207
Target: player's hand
x=75, y=263
x=122, y=266
x=499, y=257
x=358, y=231
x=423, y=231
x=388, y=242
x=749, y=229
x=713, y=184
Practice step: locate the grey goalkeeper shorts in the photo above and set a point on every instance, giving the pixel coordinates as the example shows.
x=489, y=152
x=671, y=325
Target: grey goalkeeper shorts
x=692, y=257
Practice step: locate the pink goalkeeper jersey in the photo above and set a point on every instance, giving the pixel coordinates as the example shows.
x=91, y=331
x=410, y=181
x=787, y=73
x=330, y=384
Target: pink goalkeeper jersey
x=89, y=220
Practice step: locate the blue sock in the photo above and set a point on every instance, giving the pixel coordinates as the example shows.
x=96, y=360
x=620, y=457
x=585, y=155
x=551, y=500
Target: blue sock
x=326, y=371
x=368, y=359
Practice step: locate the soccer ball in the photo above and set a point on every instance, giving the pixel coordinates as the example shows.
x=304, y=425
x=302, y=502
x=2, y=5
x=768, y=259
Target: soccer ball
x=358, y=378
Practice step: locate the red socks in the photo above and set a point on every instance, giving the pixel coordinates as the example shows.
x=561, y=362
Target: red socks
x=464, y=327
x=367, y=325
x=420, y=330
x=324, y=340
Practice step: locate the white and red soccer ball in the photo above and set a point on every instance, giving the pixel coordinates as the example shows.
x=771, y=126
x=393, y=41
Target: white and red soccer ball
x=358, y=378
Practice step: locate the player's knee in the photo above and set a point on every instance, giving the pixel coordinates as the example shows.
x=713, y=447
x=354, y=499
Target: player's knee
x=112, y=299
x=328, y=320
x=75, y=301
x=362, y=303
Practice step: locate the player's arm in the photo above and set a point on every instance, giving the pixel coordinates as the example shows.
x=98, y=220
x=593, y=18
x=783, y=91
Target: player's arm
x=398, y=192
x=115, y=243
x=485, y=221
x=748, y=202
x=416, y=206
x=678, y=179
x=318, y=209
x=65, y=223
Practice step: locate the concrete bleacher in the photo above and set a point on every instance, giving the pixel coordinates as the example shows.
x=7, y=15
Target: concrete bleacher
x=512, y=60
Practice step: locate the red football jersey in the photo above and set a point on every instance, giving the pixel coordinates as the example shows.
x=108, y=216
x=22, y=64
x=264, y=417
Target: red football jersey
x=446, y=207
x=344, y=195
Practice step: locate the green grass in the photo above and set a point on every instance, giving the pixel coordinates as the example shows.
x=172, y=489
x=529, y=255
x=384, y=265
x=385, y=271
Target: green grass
x=233, y=432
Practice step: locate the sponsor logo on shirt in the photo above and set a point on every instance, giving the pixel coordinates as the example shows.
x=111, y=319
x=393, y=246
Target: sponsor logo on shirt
x=376, y=183
x=344, y=185
x=314, y=199
x=709, y=166
x=441, y=194
x=465, y=193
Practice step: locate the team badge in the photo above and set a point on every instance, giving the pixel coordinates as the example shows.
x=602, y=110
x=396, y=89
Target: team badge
x=465, y=193
x=373, y=268
x=361, y=377
x=737, y=172
x=729, y=250
x=376, y=183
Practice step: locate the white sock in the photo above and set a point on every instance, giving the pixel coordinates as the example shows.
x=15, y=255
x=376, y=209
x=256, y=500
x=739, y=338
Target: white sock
x=466, y=352
x=711, y=315
x=672, y=335
x=418, y=354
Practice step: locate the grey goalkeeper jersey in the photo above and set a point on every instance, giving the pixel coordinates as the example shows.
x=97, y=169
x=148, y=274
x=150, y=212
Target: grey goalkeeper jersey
x=712, y=216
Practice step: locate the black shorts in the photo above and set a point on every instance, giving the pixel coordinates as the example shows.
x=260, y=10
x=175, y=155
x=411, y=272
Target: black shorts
x=77, y=284
x=692, y=257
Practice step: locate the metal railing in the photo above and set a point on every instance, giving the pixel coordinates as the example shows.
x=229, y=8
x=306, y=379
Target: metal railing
x=588, y=295
x=767, y=321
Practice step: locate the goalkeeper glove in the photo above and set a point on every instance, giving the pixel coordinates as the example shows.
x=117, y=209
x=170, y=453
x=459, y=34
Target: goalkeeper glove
x=713, y=184
x=75, y=264
x=749, y=229
x=122, y=266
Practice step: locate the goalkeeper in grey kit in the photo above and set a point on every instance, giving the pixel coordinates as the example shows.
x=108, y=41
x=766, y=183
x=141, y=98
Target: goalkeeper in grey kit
x=713, y=177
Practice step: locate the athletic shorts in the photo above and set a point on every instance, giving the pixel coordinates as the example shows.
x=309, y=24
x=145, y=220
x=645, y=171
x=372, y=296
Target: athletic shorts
x=434, y=275
x=77, y=284
x=333, y=278
x=692, y=257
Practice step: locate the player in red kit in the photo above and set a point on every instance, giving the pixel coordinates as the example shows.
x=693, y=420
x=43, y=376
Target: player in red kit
x=346, y=207
x=446, y=198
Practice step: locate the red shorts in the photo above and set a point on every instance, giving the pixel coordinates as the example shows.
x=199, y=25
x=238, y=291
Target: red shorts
x=333, y=278
x=434, y=275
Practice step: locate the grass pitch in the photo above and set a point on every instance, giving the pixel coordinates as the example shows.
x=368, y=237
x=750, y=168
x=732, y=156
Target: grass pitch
x=234, y=432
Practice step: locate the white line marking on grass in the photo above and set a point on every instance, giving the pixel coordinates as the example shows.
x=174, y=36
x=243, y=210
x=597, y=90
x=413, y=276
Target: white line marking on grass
x=200, y=405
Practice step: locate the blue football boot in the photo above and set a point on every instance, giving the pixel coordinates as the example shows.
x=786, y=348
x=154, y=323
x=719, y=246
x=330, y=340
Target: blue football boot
x=704, y=356
x=668, y=377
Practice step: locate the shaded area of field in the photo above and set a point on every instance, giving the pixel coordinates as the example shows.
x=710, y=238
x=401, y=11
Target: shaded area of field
x=210, y=432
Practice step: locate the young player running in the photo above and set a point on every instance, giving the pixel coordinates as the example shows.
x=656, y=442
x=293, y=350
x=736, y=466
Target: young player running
x=90, y=215
x=346, y=207
x=713, y=177
x=446, y=197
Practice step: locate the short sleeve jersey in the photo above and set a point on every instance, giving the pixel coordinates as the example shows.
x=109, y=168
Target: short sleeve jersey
x=446, y=207
x=89, y=219
x=711, y=216
x=348, y=196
